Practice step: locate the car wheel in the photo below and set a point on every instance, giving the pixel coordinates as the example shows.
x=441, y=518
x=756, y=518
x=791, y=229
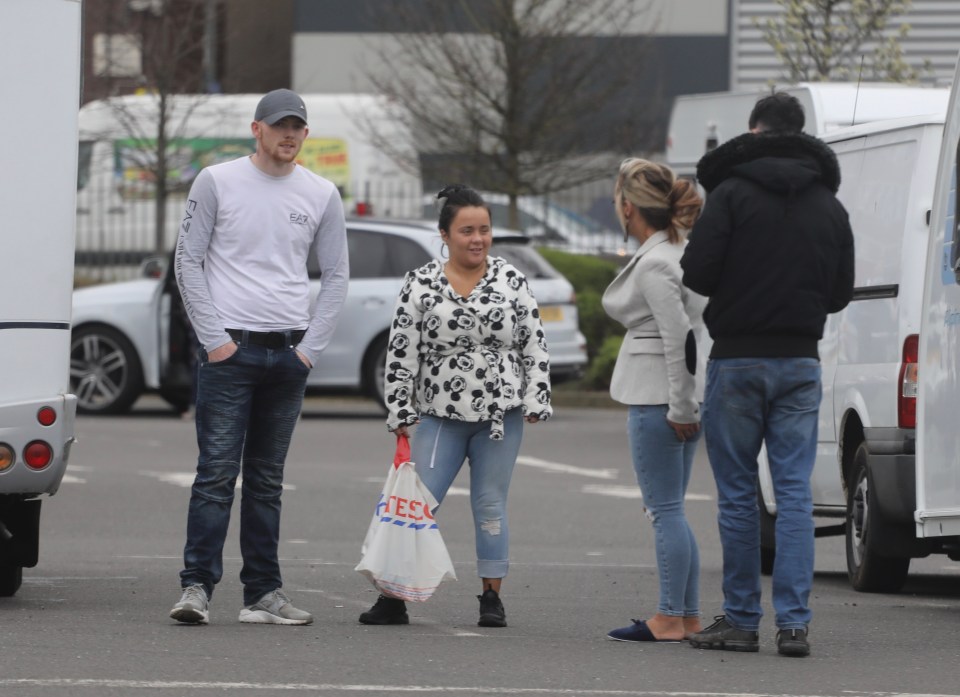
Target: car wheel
x=10, y=579
x=768, y=536
x=868, y=571
x=105, y=371
x=374, y=369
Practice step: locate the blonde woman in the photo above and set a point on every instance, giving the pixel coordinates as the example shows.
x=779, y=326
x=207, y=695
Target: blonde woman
x=656, y=375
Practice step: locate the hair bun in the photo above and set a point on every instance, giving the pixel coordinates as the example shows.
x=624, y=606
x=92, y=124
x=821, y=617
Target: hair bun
x=685, y=204
x=451, y=190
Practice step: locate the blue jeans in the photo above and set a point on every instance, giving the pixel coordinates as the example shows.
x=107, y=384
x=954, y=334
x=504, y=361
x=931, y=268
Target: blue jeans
x=750, y=401
x=247, y=407
x=439, y=448
x=663, y=465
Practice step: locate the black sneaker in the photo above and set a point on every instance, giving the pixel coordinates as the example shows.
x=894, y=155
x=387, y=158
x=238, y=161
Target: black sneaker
x=491, y=610
x=724, y=636
x=386, y=611
x=793, y=642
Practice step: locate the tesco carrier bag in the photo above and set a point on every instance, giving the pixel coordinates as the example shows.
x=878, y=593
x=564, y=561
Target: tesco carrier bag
x=403, y=553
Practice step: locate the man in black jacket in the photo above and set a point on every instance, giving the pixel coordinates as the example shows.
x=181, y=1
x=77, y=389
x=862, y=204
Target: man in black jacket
x=774, y=253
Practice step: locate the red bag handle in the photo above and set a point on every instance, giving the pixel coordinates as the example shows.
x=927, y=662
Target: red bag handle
x=403, y=450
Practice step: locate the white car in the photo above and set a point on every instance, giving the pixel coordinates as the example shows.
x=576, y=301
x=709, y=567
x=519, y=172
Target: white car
x=132, y=336
x=546, y=222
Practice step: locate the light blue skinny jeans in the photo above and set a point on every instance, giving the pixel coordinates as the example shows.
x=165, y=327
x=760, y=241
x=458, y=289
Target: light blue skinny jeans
x=439, y=448
x=663, y=465
x=750, y=401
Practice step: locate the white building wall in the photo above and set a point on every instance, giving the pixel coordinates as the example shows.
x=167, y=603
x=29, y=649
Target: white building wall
x=336, y=62
x=934, y=36
x=682, y=18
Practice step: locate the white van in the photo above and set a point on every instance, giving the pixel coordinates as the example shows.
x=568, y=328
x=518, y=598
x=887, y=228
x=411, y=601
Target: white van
x=937, y=514
x=700, y=122
x=118, y=153
x=863, y=478
x=36, y=247
x=864, y=472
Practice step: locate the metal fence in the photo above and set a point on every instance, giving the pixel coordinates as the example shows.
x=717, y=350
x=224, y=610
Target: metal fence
x=117, y=230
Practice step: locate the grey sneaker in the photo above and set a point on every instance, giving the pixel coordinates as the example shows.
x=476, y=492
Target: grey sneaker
x=724, y=636
x=193, y=608
x=793, y=642
x=274, y=608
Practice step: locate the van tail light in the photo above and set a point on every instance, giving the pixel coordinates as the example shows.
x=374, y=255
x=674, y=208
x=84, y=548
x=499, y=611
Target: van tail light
x=47, y=416
x=907, y=396
x=37, y=454
x=7, y=457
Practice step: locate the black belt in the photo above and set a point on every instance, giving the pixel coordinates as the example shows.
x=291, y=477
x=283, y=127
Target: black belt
x=273, y=340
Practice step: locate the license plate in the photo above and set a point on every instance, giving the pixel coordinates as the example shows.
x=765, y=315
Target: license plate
x=551, y=314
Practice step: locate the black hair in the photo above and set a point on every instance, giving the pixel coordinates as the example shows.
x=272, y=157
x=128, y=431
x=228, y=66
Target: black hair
x=777, y=113
x=457, y=196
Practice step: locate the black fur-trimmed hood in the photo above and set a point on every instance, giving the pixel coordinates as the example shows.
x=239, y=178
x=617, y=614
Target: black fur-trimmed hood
x=775, y=161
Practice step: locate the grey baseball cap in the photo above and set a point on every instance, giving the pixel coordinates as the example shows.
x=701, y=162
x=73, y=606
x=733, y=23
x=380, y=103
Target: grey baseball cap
x=279, y=103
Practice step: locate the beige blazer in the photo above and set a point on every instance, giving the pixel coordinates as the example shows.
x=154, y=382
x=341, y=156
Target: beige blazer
x=658, y=362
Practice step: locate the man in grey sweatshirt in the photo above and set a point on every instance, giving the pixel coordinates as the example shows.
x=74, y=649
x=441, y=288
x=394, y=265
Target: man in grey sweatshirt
x=241, y=265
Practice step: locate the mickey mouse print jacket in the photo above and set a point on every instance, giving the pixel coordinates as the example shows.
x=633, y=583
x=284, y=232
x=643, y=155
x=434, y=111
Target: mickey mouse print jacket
x=468, y=359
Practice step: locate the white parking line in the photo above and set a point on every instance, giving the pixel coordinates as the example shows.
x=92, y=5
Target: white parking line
x=561, y=468
x=631, y=492
x=185, y=479
x=616, y=490
x=324, y=688
x=50, y=580
x=452, y=491
x=467, y=564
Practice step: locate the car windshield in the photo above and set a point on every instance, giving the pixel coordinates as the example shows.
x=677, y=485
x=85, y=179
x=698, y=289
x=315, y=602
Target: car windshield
x=525, y=258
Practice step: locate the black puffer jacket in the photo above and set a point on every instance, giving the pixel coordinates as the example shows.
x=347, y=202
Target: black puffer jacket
x=773, y=249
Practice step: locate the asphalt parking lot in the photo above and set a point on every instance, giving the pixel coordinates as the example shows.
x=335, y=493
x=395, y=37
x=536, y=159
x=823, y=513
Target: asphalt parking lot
x=91, y=618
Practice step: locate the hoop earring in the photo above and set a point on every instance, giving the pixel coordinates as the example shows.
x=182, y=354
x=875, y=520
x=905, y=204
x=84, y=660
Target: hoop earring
x=443, y=249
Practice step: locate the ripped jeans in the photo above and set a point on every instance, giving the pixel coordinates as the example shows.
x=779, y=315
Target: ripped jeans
x=439, y=448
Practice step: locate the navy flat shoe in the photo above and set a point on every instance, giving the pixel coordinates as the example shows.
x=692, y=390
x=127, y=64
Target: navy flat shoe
x=638, y=631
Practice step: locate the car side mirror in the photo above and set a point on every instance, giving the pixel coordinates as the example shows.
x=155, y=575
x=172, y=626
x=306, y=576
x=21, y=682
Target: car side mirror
x=153, y=267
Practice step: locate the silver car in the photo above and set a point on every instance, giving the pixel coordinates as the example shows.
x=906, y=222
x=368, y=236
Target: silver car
x=133, y=336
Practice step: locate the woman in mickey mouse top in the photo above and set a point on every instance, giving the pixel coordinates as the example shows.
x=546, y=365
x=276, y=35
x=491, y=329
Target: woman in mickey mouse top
x=467, y=362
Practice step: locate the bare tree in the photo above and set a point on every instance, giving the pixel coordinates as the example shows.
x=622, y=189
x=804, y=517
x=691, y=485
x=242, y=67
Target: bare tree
x=822, y=40
x=522, y=96
x=177, y=56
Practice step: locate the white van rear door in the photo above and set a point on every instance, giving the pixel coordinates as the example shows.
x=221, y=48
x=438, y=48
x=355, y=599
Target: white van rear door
x=938, y=437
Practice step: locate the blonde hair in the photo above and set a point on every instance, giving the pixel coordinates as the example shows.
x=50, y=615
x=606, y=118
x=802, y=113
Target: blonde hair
x=665, y=202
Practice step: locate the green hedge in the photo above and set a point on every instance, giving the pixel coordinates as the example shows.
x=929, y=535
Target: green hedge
x=600, y=369
x=590, y=276
x=585, y=272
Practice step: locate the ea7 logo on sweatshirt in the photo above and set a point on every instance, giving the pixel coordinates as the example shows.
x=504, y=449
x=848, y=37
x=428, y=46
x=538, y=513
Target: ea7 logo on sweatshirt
x=299, y=218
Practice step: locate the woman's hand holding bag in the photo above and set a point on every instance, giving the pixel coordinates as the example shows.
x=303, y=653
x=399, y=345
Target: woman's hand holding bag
x=403, y=553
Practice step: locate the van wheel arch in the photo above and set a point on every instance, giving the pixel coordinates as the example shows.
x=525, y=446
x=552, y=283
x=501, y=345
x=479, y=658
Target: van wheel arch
x=852, y=430
x=867, y=569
